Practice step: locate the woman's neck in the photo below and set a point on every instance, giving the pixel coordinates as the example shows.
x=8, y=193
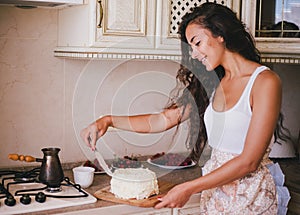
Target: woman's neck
x=236, y=65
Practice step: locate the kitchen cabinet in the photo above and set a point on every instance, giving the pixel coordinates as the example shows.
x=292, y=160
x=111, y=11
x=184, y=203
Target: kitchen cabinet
x=107, y=29
x=154, y=212
x=42, y=3
x=124, y=25
x=266, y=19
x=121, y=29
x=169, y=15
x=192, y=207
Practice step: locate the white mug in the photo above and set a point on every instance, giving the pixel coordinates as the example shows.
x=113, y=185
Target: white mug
x=83, y=175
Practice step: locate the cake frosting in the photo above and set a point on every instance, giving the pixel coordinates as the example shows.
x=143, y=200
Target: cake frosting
x=134, y=183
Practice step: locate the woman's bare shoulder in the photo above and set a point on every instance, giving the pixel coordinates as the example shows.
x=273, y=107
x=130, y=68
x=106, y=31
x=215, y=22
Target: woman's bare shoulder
x=267, y=82
x=268, y=77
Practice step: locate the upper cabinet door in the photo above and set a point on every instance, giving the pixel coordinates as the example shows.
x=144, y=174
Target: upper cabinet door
x=126, y=24
x=107, y=26
x=275, y=25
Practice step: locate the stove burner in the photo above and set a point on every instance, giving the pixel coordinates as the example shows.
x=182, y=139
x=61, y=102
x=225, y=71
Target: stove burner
x=53, y=189
x=27, y=176
x=23, y=179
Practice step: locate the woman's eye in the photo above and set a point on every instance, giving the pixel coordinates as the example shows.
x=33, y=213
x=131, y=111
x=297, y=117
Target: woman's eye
x=197, y=43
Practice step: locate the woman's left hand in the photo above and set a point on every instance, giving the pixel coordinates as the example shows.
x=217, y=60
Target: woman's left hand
x=176, y=197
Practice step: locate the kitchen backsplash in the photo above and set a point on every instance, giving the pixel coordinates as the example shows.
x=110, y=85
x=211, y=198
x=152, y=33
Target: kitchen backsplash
x=46, y=101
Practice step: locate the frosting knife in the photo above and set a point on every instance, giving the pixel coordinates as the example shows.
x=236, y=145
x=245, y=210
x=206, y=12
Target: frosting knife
x=102, y=163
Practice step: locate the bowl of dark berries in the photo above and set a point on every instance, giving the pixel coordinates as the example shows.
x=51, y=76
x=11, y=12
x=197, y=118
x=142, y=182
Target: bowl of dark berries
x=126, y=162
x=171, y=160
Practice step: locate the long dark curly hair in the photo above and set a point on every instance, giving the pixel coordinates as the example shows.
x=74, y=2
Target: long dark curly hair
x=198, y=83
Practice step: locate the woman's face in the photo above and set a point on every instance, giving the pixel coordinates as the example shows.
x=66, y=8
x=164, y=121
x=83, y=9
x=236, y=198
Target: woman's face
x=207, y=49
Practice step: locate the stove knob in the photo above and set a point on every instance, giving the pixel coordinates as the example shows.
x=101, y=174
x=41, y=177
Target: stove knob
x=25, y=199
x=10, y=201
x=40, y=197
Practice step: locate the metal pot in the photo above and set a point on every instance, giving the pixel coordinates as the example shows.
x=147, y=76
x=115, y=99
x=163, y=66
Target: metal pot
x=51, y=172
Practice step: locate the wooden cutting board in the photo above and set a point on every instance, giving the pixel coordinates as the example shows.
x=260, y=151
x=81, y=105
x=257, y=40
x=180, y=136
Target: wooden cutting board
x=105, y=194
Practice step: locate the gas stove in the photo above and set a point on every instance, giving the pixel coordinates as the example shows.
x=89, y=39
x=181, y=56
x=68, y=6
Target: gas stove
x=22, y=192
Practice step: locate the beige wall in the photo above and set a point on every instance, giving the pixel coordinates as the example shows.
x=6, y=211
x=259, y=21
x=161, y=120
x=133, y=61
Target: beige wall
x=32, y=84
x=45, y=101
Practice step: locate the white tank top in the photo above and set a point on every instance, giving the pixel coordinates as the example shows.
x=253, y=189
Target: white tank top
x=227, y=130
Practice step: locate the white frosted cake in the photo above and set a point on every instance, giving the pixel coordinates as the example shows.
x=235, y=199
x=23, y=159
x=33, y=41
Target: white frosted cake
x=134, y=183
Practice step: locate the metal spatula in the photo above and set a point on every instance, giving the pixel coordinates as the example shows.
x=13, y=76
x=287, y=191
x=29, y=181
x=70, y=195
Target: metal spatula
x=103, y=163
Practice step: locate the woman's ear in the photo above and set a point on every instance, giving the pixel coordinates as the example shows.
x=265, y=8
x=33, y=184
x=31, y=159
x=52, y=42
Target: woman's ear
x=221, y=39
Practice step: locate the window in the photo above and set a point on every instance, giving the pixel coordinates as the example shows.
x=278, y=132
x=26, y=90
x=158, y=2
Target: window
x=277, y=18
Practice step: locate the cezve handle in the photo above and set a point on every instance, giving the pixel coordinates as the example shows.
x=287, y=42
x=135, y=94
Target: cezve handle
x=26, y=158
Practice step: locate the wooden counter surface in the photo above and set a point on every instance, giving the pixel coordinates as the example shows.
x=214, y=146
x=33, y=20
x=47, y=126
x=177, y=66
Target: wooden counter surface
x=102, y=180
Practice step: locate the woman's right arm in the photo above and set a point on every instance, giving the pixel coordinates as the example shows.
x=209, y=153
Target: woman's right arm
x=145, y=123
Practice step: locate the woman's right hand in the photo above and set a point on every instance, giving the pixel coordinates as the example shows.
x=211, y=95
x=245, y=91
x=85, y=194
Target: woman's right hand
x=94, y=131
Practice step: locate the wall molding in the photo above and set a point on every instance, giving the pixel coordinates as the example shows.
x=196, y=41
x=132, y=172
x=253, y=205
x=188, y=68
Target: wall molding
x=266, y=58
x=118, y=56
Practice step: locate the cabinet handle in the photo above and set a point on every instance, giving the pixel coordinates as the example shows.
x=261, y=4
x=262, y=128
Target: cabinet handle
x=101, y=14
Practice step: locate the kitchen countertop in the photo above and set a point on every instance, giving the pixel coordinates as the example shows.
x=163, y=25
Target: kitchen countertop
x=290, y=167
x=103, y=180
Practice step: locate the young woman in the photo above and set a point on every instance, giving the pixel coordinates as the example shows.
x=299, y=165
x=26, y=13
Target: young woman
x=238, y=121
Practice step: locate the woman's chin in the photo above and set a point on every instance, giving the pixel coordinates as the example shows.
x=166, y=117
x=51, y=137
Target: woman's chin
x=209, y=68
